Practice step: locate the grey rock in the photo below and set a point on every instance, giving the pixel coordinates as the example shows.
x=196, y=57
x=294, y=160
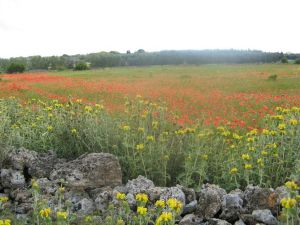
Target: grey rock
x=239, y=222
x=190, y=208
x=210, y=201
x=155, y=193
x=260, y=198
x=20, y=158
x=281, y=192
x=232, y=205
x=23, y=208
x=190, y=194
x=248, y=219
x=46, y=186
x=84, y=207
x=12, y=179
x=139, y=185
x=90, y=171
x=265, y=216
x=22, y=195
x=75, y=196
x=190, y=219
x=131, y=200
x=217, y=222
x=102, y=200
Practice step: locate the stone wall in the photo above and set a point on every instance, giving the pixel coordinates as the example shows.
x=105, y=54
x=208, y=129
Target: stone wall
x=92, y=181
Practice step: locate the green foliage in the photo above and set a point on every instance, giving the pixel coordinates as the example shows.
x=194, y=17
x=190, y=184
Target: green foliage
x=81, y=66
x=273, y=77
x=148, y=143
x=15, y=68
x=297, y=61
x=284, y=60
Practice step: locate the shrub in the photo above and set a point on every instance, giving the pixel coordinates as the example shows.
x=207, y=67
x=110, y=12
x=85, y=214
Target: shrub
x=272, y=77
x=15, y=68
x=81, y=66
x=284, y=60
x=297, y=61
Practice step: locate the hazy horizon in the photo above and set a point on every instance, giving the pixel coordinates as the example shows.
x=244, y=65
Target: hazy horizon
x=48, y=28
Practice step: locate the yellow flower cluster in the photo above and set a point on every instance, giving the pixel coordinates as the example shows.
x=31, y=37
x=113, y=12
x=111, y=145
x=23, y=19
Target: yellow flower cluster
x=5, y=222
x=62, y=215
x=3, y=199
x=142, y=210
x=142, y=197
x=292, y=185
x=288, y=203
x=174, y=204
x=246, y=157
x=121, y=196
x=164, y=217
x=45, y=212
x=234, y=170
x=140, y=147
x=160, y=204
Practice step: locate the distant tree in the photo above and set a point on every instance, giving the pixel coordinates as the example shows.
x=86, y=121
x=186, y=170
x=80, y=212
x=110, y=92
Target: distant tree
x=297, y=61
x=128, y=52
x=81, y=66
x=284, y=60
x=141, y=51
x=15, y=68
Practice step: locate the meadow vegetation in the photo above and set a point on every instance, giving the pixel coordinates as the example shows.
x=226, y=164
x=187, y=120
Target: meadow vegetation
x=220, y=124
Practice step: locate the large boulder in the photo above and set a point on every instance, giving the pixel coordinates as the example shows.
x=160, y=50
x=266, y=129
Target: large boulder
x=139, y=185
x=33, y=164
x=232, y=206
x=89, y=171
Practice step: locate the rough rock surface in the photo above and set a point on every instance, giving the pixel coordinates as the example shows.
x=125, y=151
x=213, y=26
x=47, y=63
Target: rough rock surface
x=139, y=185
x=265, y=216
x=210, y=201
x=232, y=206
x=90, y=171
x=260, y=198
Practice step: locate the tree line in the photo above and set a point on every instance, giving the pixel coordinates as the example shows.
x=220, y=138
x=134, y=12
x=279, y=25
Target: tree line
x=143, y=58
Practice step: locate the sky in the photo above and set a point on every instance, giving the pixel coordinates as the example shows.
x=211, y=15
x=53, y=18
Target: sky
x=56, y=27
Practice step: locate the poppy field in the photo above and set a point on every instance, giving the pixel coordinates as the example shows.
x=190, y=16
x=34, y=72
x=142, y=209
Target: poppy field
x=231, y=125
x=185, y=116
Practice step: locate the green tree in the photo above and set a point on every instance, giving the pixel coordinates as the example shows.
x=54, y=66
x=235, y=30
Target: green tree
x=15, y=68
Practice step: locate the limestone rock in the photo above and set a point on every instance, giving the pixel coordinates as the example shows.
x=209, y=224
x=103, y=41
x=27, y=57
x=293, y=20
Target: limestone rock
x=210, y=201
x=139, y=185
x=190, y=219
x=90, y=171
x=265, y=216
x=232, y=205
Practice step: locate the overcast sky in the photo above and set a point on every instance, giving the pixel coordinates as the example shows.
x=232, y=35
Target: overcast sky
x=56, y=27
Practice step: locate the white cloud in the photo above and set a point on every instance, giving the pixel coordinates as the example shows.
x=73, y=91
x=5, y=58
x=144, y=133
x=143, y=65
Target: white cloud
x=55, y=27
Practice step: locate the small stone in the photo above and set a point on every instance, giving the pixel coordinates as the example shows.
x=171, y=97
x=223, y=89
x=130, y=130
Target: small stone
x=217, y=222
x=265, y=216
x=239, y=222
x=190, y=208
x=232, y=205
x=139, y=185
x=84, y=207
x=190, y=219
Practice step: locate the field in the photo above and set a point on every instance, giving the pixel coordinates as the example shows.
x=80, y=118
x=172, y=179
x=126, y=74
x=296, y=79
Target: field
x=185, y=116
x=213, y=94
x=231, y=125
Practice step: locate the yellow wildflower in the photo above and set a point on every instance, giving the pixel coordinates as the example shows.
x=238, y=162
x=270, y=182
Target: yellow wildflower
x=121, y=196
x=62, y=215
x=73, y=131
x=150, y=138
x=126, y=128
x=246, y=157
x=288, y=203
x=248, y=166
x=292, y=185
x=45, y=212
x=160, y=204
x=293, y=122
x=120, y=222
x=3, y=199
x=174, y=204
x=141, y=210
x=140, y=147
x=50, y=128
x=281, y=126
x=164, y=217
x=141, y=129
x=234, y=170
x=142, y=197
